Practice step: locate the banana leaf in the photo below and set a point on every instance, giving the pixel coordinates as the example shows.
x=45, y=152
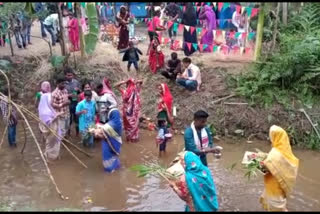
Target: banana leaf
x=91, y=38
x=57, y=61
x=29, y=9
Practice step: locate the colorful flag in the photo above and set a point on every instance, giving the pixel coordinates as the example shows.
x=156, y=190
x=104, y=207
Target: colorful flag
x=189, y=45
x=195, y=46
x=192, y=29
x=181, y=27
x=249, y=11
x=170, y=23
x=254, y=12
x=175, y=27
x=220, y=5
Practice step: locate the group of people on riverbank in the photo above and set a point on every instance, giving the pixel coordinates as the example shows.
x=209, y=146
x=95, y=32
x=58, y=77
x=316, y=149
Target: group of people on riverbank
x=94, y=109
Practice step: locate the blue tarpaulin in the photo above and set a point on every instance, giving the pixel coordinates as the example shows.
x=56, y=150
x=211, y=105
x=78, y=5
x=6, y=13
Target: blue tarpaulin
x=136, y=8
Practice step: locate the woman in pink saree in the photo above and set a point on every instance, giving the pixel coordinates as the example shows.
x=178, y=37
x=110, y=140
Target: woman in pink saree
x=49, y=117
x=73, y=27
x=131, y=108
x=209, y=17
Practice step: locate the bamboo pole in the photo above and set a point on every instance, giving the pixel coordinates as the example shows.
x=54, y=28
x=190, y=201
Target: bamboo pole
x=10, y=43
x=62, y=42
x=82, y=44
x=258, y=48
x=4, y=134
x=275, y=27
x=18, y=107
x=9, y=35
x=52, y=131
x=285, y=13
x=39, y=148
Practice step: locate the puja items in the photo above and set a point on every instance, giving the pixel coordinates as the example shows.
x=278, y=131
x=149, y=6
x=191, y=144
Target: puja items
x=253, y=163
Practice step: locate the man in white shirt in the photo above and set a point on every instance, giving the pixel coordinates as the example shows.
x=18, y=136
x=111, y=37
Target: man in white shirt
x=191, y=77
x=51, y=24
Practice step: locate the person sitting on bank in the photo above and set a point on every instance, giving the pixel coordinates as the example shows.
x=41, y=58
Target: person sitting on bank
x=198, y=138
x=191, y=77
x=173, y=67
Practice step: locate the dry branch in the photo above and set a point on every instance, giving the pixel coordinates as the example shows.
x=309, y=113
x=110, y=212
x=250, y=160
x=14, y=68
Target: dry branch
x=223, y=98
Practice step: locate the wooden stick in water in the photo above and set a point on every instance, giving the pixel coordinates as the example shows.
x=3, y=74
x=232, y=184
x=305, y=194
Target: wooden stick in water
x=39, y=148
x=38, y=120
x=4, y=134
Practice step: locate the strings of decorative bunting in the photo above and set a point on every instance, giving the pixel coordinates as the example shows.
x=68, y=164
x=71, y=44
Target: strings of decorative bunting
x=211, y=48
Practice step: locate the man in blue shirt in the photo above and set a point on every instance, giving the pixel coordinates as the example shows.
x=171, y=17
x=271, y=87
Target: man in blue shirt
x=198, y=138
x=86, y=110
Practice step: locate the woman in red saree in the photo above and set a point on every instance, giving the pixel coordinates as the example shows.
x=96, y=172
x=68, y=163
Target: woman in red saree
x=131, y=107
x=123, y=20
x=73, y=29
x=165, y=104
x=156, y=57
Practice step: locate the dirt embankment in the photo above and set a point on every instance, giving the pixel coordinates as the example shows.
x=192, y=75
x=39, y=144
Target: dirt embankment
x=232, y=116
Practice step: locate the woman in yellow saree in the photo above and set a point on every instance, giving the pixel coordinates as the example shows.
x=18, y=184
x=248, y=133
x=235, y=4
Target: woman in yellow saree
x=282, y=167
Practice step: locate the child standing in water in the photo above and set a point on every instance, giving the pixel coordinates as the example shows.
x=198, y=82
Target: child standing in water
x=86, y=111
x=162, y=137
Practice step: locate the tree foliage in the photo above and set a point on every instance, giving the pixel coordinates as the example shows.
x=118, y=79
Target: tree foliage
x=294, y=69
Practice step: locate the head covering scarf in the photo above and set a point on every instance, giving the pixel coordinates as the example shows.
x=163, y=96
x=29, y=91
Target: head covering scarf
x=200, y=184
x=106, y=87
x=166, y=98
x=211, y=18
x=46, y=112
x=283, y=167
x=45, y=87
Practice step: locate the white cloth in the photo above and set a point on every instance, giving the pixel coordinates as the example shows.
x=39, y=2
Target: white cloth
x=53, y=20
x=204, y=136
x=196, y=75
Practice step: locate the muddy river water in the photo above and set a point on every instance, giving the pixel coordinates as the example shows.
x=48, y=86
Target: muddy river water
x=24, y=182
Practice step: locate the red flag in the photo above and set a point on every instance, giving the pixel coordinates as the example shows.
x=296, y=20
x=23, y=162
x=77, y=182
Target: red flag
x=203, y=31
x=231, y=35
x=198, y=8
x=210, y=48
x=236, y=49
x=192, y=29
x=189, y=45
x=220, y=5
x=202, y=3
x=181, y=26
x=247, y=50
x=166, y=40
x=201, y=47
x=254, y=12
x=170, y=23
x=225, y=50
x=218, y=32
x=244, y=35
x=184, y=8
x=238, y=8
x=146, y=20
